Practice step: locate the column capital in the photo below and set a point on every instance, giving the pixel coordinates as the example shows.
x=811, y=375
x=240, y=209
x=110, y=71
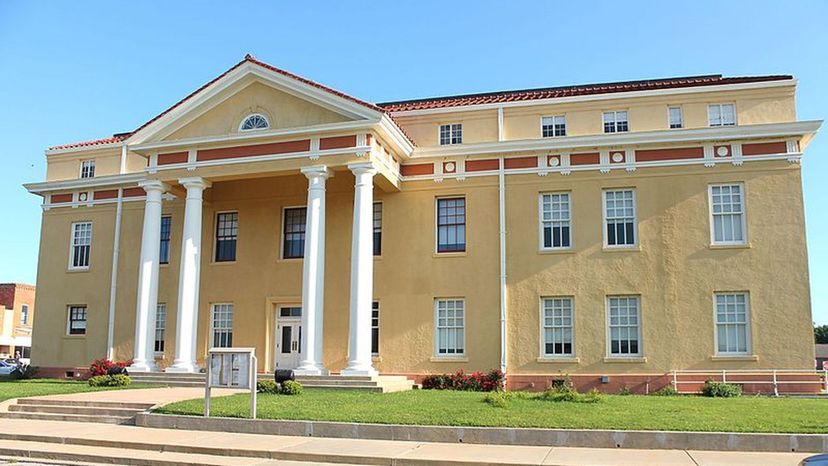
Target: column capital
x=360, y=168
x=154, y=185
x=194, y=182
x=316, y=171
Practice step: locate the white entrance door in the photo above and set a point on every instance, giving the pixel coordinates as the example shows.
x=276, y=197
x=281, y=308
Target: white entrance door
x=288, y=337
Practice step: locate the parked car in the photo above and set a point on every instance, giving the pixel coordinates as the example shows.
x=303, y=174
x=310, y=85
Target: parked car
x=6, y=368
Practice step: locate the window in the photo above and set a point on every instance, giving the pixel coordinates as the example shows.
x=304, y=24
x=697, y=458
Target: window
x=378, y=228
x=624, y=326
x=675, y=117
x=81, y=245
x=721, y=114
x=375, y=328
x=451, y=336
x=254, y=122
x=87, y=169
x=727, y=214
x=616, y=122
x=24, y=314
x=451, y=134
x=77, y=320
x=227, y=230
x=557, y=327
x=620, y=217
x=555, y=218
x=166, y=233
x=293, y=241
x=451, y=224
x=553, y=126
x=732, y=335
x=290, y=312
x=222, y=325
x=160, y=327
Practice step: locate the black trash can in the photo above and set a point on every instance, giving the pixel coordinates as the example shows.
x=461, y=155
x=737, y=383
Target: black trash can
x=115, y=370
x=282, y=375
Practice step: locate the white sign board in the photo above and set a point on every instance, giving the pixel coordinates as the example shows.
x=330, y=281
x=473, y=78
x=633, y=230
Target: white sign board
x=231, y=368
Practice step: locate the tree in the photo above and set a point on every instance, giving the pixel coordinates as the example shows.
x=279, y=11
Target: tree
x=821, y=333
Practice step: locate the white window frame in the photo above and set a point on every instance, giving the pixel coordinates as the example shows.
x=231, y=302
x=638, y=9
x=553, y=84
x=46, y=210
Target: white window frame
x=437, y=328
x=614, y=121
x=69, y=320
x=640, y=328
x=720, y=106
x=160, y=326
x=24, y=314
x=543, y=327
x=712, y=215
x=437, y=224
x=604, y=217
x=375, y=306
x=746, y=323
x=215, y=236
x=265, y=118
x=72, y=246
x=87, y=167
x=282, y=232
x=541, y=221
x=213, y=328
x=452, y=128
x=681, y=117
x=553, y=119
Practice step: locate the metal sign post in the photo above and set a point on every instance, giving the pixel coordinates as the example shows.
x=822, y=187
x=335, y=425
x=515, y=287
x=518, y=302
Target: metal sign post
x=231, y=368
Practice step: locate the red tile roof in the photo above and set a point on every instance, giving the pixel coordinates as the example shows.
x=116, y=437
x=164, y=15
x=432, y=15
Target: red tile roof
x=569, y=91
x=460, y=100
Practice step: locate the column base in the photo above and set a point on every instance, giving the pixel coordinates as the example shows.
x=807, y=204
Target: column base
x=359, y=370
x=142, y=366
x=184, y=368
x=311, y=369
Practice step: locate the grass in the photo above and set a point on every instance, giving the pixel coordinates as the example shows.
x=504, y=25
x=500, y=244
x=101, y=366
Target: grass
x=442, y=408
x=39, y=387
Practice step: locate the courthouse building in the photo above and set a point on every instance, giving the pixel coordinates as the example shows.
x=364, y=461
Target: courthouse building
x=613, y=231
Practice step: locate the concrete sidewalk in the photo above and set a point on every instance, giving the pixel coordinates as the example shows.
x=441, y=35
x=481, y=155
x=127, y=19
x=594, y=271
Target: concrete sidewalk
x=92, y=442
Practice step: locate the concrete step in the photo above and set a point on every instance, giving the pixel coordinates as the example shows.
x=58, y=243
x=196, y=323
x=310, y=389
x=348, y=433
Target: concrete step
x=99, y=404
x=170, y=383
x=124, y=420
x=85, y=410
x=109, y=455
x=367, y=388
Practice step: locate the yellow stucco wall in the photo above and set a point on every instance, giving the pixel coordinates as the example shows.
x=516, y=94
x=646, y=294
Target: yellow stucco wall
x=674, y=272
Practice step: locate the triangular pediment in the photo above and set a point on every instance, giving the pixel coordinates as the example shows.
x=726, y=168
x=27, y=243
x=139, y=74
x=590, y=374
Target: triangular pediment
x=251, y=87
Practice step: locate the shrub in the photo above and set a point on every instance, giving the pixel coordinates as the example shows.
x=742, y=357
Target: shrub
x=460, y=380
x=667, y=390
x=624, y=391
x=24, y=372
x=267, y=386
x=567, y=392
x=497, y=399
x=292, y=387
x=102, y=366
x=119, y=380
x=720, y=389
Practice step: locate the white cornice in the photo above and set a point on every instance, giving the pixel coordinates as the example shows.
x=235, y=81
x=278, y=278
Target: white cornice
x=85, y=183
x=798, y=128
x=595, y=97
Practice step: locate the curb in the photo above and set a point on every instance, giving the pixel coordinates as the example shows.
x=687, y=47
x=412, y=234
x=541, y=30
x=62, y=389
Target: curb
x=636, y=439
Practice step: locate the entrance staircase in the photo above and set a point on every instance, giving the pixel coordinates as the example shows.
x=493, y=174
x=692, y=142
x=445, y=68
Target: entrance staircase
x=379, y=384
x=45, y=409
x=169, y=379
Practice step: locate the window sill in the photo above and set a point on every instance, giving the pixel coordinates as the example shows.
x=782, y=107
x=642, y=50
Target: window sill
x=447, y=359
x=557, y=251
x=625, y=360
x=290, y=260
x=450, y=254
x=730, y=246
x=78, y=269
x=74, y=337
x=164, y=265
x=553, y=360
x=222, y=263
x=635, y=248
x=734, y=357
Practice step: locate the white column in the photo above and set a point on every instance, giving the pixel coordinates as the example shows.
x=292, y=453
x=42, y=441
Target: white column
x=144, y=356
x=189, y=278
x=362, y=272
x=313, y=273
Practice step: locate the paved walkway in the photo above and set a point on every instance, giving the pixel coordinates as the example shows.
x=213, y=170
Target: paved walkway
x=250, y=449
x=156, y=396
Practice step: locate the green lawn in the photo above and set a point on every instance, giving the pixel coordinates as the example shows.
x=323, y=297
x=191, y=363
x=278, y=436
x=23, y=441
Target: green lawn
x=39, y=387
x=430, y=407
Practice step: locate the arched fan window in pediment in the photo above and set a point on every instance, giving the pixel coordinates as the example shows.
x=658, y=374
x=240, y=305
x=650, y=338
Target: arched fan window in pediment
x=254, y=122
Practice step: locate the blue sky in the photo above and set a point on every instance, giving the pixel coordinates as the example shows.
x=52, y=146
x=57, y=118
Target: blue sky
x=84, y=70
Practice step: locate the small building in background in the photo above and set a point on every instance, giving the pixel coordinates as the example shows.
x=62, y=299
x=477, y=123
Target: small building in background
x=16, y=316
x=822, y=356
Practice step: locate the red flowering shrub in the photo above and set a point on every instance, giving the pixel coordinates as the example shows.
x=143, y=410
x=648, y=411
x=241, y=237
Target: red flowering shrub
x=102, y=366
x=460, y=380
